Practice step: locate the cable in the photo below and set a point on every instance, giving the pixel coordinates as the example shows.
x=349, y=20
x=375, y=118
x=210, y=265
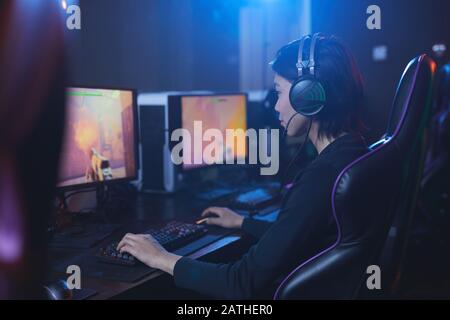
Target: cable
x=63, y=198
x=297, y=154
x=78, y=192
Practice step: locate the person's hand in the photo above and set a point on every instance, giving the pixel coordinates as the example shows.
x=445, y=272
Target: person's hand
x=223, y=217
x=147, y=250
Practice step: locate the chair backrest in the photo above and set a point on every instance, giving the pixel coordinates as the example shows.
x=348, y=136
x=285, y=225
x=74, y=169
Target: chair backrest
x=438, y=153
x=440, y=123
x=368, y=194
x=412, y=167
x=443, y=105
x=443, y=89
x=31, y=127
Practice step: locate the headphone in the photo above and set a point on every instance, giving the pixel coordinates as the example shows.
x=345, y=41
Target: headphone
x=307, y=95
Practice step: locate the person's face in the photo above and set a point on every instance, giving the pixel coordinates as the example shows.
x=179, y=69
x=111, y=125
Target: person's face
x=286, y=112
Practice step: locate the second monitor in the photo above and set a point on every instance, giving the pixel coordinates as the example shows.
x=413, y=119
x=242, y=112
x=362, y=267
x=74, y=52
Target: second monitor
x=214, y=126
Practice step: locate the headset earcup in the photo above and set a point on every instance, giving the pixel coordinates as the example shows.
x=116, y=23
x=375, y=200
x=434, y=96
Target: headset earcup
x=307, y=96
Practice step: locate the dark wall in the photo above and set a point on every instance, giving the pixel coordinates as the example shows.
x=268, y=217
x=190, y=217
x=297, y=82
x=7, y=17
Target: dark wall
x=156, y=45
x=409, y=27
x=162, y=45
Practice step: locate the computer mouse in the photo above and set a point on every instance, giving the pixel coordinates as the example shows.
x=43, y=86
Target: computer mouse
x=58, y=291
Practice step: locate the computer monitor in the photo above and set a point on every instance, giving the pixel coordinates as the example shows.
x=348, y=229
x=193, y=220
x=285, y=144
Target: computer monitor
x=100, y=137
x=220, y=112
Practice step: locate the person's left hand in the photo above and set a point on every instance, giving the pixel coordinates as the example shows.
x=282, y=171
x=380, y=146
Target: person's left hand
x=147, y=250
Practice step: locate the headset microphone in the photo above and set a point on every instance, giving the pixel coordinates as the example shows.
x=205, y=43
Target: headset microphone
x=299, y=151
x=288, y=124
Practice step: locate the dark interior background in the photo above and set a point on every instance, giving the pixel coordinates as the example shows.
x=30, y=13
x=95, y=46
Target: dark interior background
x=408, y=28
x=157, y=45
x=163, y=45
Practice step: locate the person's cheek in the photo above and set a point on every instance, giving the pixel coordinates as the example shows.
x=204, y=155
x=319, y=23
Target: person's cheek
x=283, y=107
x=289, y=111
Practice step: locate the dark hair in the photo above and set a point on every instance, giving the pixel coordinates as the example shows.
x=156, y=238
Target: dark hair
x=339, y=74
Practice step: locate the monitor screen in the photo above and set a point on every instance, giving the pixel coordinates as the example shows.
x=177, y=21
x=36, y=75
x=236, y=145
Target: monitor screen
x=220, y=112
x=100, y=137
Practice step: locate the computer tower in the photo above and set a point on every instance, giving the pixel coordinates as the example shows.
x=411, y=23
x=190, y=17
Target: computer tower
x=157, y=173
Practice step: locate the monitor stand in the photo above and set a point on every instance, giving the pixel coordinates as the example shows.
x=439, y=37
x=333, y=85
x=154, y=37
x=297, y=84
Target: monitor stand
x=80, y=230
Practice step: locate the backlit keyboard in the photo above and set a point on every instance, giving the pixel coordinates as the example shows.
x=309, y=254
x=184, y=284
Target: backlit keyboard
x=172, y=236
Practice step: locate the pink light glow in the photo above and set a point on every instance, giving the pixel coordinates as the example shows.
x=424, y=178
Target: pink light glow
x=11, y=226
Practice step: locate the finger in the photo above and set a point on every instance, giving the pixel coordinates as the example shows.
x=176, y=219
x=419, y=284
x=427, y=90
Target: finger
x=125, y=240
x=207, y=211
x=201, y=221
x=215, y=210
x=139, y=238
x=220, y=211
x=131, y=250
x=133, y=236
x=212, y=221
x=122, y=243
x=128, y=236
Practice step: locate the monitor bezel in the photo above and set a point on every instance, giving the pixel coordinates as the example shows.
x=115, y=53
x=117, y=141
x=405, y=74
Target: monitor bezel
x=175, y=122
x=89, y=185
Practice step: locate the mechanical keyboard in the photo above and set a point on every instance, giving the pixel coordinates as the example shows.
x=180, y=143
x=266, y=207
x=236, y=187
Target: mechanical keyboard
x=172, y=236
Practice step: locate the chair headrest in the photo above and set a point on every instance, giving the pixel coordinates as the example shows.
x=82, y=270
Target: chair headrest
x=443, y=89
x=413, y=96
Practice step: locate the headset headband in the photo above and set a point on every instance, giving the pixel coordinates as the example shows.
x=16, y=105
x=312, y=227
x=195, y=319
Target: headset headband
x=311, y=63
x=300, y=63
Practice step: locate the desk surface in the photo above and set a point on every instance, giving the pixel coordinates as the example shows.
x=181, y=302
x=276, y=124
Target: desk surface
x=143, y=212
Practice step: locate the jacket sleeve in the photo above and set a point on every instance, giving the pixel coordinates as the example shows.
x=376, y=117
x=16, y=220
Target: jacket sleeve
x=306, y=218
x=255, y=228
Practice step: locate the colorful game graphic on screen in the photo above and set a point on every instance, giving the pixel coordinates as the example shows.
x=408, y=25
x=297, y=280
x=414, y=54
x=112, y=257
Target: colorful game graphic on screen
x=215, y=112
x=99, y=138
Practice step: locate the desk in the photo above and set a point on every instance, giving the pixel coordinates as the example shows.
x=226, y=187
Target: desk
x=145, y=211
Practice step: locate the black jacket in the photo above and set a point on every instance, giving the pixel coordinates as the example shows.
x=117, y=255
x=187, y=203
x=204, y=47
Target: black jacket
x=304, y=227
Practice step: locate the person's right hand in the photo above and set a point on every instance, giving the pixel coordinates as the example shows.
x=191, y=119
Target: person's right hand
x=223, y=217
